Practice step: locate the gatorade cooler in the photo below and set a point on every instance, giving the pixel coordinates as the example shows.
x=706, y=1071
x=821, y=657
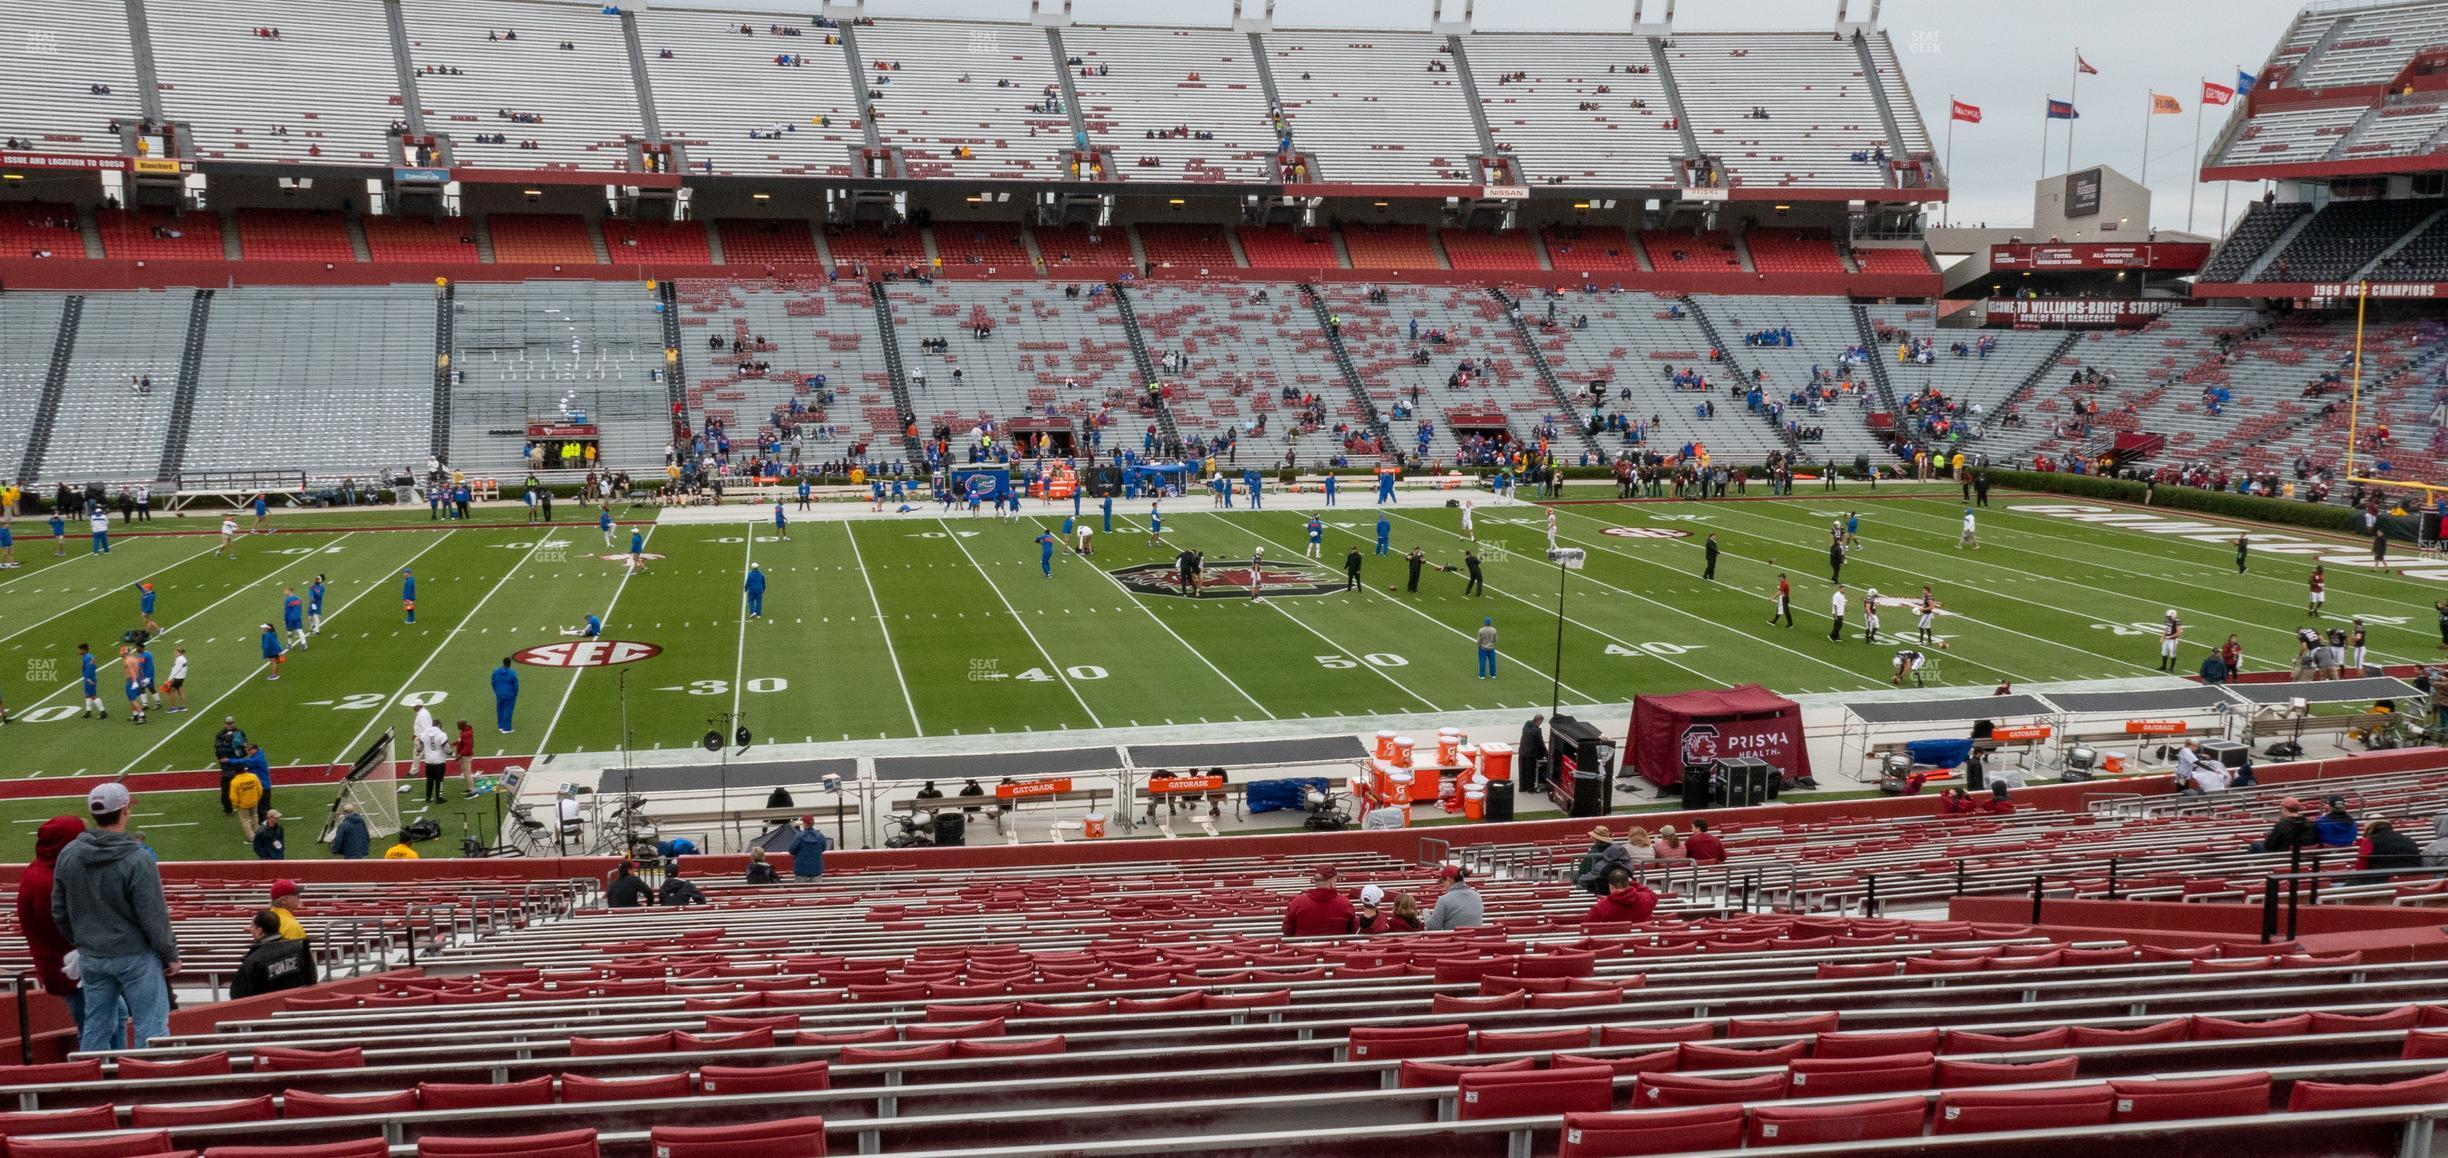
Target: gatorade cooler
x=1474, y=804
x=1385, y=745
x=1398, y=783
x=1402, y=752
x=1381, y=778
x=1496, y=761
x=1426, y=785
x=1470, y=758
x=1092, y=825
x=1449, y=744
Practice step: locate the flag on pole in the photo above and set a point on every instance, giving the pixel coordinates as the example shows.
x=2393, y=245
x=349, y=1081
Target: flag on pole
x=2081, y=65
x=2244, y=81
x=1969, y=114
x=2216, y=94
x=2062, y=111
x=2163, y=104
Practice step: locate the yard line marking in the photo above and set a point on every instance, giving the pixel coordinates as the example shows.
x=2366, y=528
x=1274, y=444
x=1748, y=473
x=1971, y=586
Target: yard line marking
x=1059, y=673
x=859, y=563
x=1345, y=652
x=106, y=593
x=375, y=716
x=1168, y=630
x=103, y=673
x=627, y=573
x=1531, y=667
x=739, y=663
x=248, y=677
x=1667, y=606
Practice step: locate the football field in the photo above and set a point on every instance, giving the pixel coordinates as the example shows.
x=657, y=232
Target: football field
x=919, y=625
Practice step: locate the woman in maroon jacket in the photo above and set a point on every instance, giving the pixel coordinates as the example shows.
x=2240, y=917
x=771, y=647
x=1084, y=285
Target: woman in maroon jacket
x=43, y=940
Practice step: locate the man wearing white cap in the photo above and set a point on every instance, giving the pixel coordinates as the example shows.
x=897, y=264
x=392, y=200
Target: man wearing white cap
x=106, y=897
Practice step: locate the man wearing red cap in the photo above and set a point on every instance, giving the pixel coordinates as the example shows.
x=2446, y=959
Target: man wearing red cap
x=284, y=907
x=1323, y=911
x=807, y=850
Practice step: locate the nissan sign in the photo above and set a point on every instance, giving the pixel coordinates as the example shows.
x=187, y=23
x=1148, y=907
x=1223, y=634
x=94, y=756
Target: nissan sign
x=587, y=653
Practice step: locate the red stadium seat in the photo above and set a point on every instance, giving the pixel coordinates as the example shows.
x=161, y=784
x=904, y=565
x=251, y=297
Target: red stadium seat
x=81, y=1120
x=275, y=1059
x=761, y=1037
x=1837, y=1045
x=309, y=1104
x=1834, y=972
x=477, y=1095
x=361, y=1148
x=1953, y=1073
x=892, y=1054
x=2308, y=1097
x=1415, y=1075
x=580, y=1088
x=1979, y=1111
x=782, y=1138
x=134, y=1145
x=1655, y=1034
x=1919, y=965
x=1271, y=999
x=608, y=1046
x=814, y=1075
x=1727, y=1057
x=88, y=1070
x=2231, y=1096
x=2402, y=1017
x=1658, y=1132
x=1780, y=1026
x=1586, y=999
x=1825, y=1078
x=1961, y=1041
x=2426, y=1043
x=1847, y=1122
x=776, y=1022
x=1669, y=1090
x=874, y=1036
x=1509, y=1040
x=1517, y=1093
x=1011, y=1046
x=2178, y=1029
x=992, y=1027
x=169, y=1114
x=1661, y=1062
x=564, y=1144
x=2228, y=1029
x=1384, y=1043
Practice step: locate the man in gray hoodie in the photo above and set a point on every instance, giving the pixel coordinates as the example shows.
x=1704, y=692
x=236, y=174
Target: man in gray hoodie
x=106, y=897
x=1460, y=907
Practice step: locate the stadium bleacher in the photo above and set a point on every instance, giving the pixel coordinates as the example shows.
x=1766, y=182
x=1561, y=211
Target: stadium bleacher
x=1241, y=354
x=372, y=345
x=825, y=329
x=1588, y=111
x=964, y=100
x=2343, y=237
x=519, y=349
x=1047, y=355
x=1189, y=99
x=810, y=127
x=559, y=96
x=1819, y=109
x=28, y=325
x=1367, y=106
x=107, y=429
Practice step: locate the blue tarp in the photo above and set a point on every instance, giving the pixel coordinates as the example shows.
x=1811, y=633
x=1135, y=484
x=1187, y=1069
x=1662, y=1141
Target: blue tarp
x=1938, y=753
x=1273, y=795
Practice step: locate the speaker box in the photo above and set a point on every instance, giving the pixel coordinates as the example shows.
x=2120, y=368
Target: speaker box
x=1695, y=787
x=951, y=829
x=1590, y=789
x=2226, y=752
x=1746, y=780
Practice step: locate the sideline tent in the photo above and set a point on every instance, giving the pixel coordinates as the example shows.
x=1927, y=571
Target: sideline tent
x=1671, y=732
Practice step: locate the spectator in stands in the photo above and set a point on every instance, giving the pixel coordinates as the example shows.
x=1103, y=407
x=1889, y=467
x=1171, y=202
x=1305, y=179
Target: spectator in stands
x=1704, y=847
x=807, y=850
x=2435, y=854
x=2290, y=832
x=106, y=897
x=1956, y=802
x=275, y=962
x=46, y=947
x=1600, y=838
x=2336, y=828
x=1997, y=802
x=351, y=840
x=676, y=891
x=1637, y=846
x=627, y=890
x=760, y=872
x=1625, y=899
x=2383, y=847
x=1460, y=906
x=285, y=896
x=2196, y=776
x=1322, y=911
x=1368, y=917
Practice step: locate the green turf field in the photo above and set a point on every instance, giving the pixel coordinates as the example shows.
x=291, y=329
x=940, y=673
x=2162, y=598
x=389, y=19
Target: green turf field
x=921, y=626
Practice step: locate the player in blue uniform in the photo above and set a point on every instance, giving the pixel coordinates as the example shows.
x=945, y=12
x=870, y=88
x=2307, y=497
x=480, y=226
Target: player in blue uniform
x=1330, y=490
x=59, y=536
x=93, y=684
x=293, y=617
x=1317, y=538
x=1155, y=525
x=781, y=523
x=1385, y=532
x=314, y=606
x=1045, y=552
x=1385, y=488
x=505, y=694
x=262, y=513
x=593, y=628
x=1257, y=488
x=99, y=523
x=1107, y=503
x=408, y=593
x=8, y=547
x=144, y=677
x=144, y=607
x=273, y=653
x=756, y=591
x=875, y=496
x=637, y=550
x=132, y=673
x=804, y=491
x=603, y=522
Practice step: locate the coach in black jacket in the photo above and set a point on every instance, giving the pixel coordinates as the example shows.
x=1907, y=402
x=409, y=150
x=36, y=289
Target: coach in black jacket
x=274, y=962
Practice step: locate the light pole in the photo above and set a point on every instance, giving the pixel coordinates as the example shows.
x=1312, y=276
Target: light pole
x=1566, y=559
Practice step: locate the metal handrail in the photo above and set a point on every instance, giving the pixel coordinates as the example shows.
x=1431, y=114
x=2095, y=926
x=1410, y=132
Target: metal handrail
x=2295, y=891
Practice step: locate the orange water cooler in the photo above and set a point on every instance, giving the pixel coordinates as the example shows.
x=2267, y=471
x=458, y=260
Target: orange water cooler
x=1496, y=761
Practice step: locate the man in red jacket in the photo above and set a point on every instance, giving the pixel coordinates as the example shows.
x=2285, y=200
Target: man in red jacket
x=1323, y=911
x=1704, y=847
x=44, y=943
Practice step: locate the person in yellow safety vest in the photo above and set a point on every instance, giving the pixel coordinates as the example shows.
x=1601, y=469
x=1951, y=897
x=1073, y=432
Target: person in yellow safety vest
x=400, y=851
x=246, y=793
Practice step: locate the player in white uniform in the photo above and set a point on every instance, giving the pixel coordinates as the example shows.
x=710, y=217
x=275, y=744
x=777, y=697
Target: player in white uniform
x=1258, y=574
x=1929, y=614
x=2169, y=632
x=229, y=538
x=1087, y=545
x=1971, y=533
x=1467, y=532
x=1551, y=529
x=1870, y=600
x=2354, y=646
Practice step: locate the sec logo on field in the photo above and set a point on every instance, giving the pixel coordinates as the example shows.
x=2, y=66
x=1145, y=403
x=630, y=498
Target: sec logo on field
x=587, y=653
x=1646, y=533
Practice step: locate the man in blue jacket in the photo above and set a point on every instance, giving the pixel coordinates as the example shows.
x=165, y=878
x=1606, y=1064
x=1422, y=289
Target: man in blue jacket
x=807, y=850
x=350, y=838
x=505, y=694
x=756, y=591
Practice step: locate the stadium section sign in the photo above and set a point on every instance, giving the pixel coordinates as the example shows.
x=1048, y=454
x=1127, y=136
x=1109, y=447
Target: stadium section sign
x=587, y=653
x=2074, y=312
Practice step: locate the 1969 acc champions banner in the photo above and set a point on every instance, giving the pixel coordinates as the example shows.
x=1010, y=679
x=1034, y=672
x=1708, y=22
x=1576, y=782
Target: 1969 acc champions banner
x=1669, y=732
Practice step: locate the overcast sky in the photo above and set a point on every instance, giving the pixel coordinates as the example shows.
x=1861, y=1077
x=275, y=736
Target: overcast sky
x=2006, y=58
